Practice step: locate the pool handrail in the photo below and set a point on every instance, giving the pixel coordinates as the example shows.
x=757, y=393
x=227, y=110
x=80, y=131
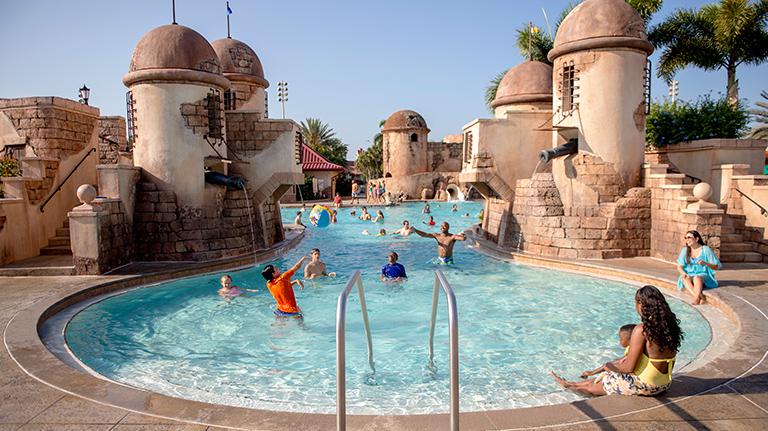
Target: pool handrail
x=453, y=335
x=341, y=374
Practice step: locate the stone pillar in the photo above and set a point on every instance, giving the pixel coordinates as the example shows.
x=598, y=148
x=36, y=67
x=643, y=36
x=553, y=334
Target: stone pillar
x=119, y=182
x=84, y=233
x=726, y=174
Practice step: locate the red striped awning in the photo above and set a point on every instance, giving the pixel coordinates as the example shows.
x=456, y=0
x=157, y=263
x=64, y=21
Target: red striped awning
x=311, y=160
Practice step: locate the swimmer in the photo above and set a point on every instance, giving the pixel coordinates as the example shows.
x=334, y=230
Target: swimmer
x=465, y=215
x=280, y=286
x=426, y=209
x=379, y=217
x=353, y=213
x=431, y=221
x=228, y=291
x=406, y=230
x=382, y=232
x=333, y=216
x=297, y=220
x=364, y=215
x=454, y=208
x=393, y=271
x=316, y=268
x=445, y=242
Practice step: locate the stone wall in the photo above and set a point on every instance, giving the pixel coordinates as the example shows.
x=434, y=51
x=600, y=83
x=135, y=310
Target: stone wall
x=115, y=239
x=112, y=139
x=54, y=127
x=163, y=231
x=598, y=175
x=243, y=92
x=444, y=156
x=248, y=133
x=496, y=219
x=195, y=116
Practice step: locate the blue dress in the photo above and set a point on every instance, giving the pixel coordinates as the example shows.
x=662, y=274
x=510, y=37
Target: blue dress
x=693, y=269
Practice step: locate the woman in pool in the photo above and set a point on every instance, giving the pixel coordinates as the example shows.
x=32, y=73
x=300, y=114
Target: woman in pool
x=696, y=264
x=653, y=346
x=379, y=216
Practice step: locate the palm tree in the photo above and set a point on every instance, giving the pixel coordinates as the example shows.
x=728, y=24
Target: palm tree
x=760, y=116
x=646, y=8
x=321, y=138
x=492, y=88
x=370, y=162
x=717, y=36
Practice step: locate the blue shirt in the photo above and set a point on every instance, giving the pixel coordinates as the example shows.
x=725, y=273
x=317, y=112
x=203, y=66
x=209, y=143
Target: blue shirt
x=693, y=269
x=393, y=270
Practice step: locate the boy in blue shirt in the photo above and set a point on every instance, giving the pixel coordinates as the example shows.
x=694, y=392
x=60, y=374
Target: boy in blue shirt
x=393, y=271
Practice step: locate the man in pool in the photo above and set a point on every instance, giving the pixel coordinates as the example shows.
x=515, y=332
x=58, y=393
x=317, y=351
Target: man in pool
x=280, y=286
x=445, y=241
x=316, y=268
x=297, y=220
x=405, y=230
x=393, y=271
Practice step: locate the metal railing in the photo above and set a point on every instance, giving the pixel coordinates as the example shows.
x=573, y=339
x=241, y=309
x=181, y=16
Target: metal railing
x=453, y=335
x=61, y=184
x=763, y=211
x=341, y=373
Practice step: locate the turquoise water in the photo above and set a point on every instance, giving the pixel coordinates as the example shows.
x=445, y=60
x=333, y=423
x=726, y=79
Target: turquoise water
x=516, y=323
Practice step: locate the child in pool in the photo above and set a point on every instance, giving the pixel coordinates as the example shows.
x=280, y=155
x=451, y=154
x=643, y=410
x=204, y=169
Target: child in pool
x=228, y=291
x=379, y=217
x=382, y=232
x=625, y=333
x=431, y=221
x=280, y=286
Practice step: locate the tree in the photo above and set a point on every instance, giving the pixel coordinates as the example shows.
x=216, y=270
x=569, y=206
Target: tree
x=370, y=162
x=717, y=36
x=646, y=8
x=321, y=138
x=492, y=88
x=760, y=116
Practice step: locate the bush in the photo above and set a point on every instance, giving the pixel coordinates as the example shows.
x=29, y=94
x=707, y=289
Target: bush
x=672, y=123
x=9, y=167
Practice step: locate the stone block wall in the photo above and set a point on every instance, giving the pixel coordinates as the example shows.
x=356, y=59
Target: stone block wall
x=115, y=239
x=444, y=156
x=195, y=116
x=54, y=127
x=598, y=175
x=496, y=219
x=112, y=139
x=248, y=133
x=164, y=231
x=243, y=92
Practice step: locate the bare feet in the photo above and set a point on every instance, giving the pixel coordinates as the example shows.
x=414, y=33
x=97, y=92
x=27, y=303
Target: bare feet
x=559, y=380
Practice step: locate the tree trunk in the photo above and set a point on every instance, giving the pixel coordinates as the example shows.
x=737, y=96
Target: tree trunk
x=733, y=85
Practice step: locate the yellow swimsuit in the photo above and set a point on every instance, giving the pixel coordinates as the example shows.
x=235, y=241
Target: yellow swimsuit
x=645, y=379
x=647, y=373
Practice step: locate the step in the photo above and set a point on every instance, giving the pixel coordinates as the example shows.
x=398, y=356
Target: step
x=727, y=230
x=58, y=241
x=742, y=256
x=55, y=250
x=730, y=238
x=729, y=247
x=50, y=271
x=66, y=222
x=62, y=231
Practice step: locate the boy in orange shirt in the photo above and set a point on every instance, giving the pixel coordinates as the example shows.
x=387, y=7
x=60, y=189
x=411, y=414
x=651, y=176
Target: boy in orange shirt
x=280, y=286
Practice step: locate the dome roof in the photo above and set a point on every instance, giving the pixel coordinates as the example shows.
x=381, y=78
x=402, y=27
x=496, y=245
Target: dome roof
x=239, y=62
x=600, y=24
x=525, y=83
x=404, y=120
x=174, y=52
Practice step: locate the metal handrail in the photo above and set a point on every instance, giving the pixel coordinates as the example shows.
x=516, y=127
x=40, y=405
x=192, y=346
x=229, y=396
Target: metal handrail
x=453, y=335
x=341, y=373
x=763, y=211
x=61, y=184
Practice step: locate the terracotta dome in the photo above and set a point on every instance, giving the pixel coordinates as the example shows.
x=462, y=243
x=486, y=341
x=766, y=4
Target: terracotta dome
x=174, y=53
x=405, y=120
x=239, y=62
x=601, y=24
x=525, y=83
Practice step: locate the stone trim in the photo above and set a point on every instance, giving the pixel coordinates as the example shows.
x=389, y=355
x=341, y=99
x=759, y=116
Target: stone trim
x=632, y=43
x=176, y=76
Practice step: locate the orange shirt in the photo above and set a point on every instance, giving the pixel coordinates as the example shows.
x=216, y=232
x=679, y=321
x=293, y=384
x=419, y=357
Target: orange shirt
x=282, y=291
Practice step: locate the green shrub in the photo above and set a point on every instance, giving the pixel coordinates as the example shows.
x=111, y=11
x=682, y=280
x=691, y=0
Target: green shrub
x=672, y=123
x=9, y=167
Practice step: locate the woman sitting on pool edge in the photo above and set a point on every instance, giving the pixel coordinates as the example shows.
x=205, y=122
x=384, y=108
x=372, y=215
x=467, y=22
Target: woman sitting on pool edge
x=653, y=346
x=696, y=264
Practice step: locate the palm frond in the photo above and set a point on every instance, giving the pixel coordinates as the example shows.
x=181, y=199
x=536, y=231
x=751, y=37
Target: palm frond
x=490, y=90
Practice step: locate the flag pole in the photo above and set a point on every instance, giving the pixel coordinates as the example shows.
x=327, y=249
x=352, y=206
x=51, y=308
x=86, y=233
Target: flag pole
x=173, y=5
x=229, y=36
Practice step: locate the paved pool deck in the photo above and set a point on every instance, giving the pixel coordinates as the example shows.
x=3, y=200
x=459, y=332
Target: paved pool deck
x=728, y=393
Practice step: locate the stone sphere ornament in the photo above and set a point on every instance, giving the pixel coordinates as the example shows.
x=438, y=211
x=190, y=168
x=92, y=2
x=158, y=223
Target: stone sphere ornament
x=702, y=191
x=86, y=193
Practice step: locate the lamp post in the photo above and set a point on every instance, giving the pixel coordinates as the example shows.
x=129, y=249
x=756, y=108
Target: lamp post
x=674, y=90
x=84, y=94
x=282, y=94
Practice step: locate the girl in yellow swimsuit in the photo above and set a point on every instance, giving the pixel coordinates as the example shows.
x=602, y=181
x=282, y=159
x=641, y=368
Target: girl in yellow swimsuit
x=653, y=346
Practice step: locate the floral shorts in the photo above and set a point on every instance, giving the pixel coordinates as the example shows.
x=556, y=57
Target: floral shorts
x=629, y=384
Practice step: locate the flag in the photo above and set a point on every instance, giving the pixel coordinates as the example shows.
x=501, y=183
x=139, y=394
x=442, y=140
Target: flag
x=229, y=10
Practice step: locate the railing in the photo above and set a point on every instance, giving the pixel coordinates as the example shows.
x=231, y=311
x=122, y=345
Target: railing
x=341, y=373
x=453, y=335
x=61, y=184
x=763, y=211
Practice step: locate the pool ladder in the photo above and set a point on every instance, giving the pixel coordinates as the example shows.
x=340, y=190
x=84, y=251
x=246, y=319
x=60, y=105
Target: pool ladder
x=453, y=331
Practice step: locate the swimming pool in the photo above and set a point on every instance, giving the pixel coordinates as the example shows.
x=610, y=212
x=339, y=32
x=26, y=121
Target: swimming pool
x=516, y=323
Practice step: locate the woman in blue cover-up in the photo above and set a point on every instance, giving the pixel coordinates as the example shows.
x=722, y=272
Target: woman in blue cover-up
x=696, y=264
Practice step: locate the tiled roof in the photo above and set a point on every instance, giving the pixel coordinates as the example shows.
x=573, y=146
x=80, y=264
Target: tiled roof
x=311, y=160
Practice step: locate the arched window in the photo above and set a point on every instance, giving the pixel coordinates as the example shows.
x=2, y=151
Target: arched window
x=387, y=175
x=414, y=137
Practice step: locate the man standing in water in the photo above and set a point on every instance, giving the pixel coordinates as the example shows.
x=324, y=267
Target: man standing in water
x=316, y=268
x=445, y=241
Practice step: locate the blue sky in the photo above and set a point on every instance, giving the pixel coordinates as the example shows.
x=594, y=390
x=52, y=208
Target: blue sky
x=349, y=63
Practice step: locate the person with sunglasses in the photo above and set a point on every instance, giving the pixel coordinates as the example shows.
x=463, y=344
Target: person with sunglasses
x=696, y=264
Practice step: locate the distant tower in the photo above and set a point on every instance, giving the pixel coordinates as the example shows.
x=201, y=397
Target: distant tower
x=405, y=144
x=599, y=67
x=525, y=87
x=241, y=65
x=175, y=84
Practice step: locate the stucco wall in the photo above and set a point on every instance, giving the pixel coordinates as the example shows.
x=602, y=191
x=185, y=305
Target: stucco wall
x=401, y=156
x=444, y=156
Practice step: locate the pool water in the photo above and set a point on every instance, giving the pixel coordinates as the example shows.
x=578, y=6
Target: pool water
x=516, y=323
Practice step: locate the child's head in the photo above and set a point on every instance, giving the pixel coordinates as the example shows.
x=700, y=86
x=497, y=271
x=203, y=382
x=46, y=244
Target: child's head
x=431, y=218
x=625, y=333
x=226, y=281
x=383, y=232
x=380, y=213
x=270, y=272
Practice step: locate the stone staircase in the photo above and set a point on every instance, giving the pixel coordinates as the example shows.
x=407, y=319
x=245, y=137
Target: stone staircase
x=59, y=244
x=733, y=247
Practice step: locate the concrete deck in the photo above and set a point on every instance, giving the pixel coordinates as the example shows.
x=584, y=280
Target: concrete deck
x=729, y=393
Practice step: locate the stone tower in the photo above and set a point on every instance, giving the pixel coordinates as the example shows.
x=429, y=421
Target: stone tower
x=175, y=87
x=241, y=65
x=525, y=87
x=599, y=74
x=405, y=144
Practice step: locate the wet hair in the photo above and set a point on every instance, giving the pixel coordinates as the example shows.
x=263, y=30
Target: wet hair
x=405, y=221
x=392, y=253
x=298, y=212
x=627, y=328
x=660, y=325
x=380, y=213
x=226, y=276
x=268, y=272
x=383, y=232
x=315, y=250
x=699, y=240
